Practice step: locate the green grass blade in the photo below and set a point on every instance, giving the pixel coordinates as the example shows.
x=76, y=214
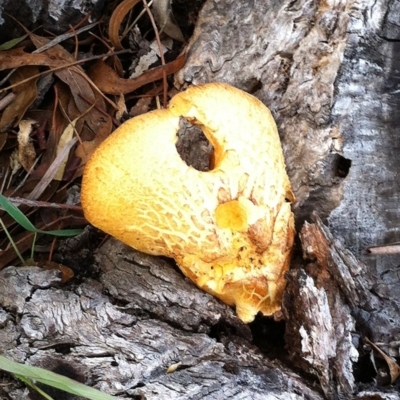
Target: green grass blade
x=11, y=43
x=12, y=242
x=52, y=379
x=16, y=214
x=62, y=233
x=20, y=217
x=29, y=383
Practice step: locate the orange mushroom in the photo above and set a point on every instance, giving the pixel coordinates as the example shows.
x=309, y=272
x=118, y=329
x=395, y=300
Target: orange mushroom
x=230, y=230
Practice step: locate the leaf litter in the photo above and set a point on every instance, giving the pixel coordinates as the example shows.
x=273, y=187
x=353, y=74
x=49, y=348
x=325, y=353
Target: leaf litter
x=61, y=97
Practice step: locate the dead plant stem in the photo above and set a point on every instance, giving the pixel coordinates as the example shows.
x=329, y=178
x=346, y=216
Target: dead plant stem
x=153, y=23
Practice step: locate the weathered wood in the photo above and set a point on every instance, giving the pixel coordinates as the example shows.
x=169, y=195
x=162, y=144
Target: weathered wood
x=317, y=308
x=124, y=341
x=330, y=303
x=329, y=73
x=58, y=15
x=121, y=334
x=374, y=311
x=54, y=15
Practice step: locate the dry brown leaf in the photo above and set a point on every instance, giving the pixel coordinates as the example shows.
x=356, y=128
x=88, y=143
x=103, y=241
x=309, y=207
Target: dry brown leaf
x=57, y=124
x=121, y=108
x=25, y=95
x=65, y=138
x=143, y=104
x=79, y=86
x=16, y=58
x=26, y=150
x=163, y=15
x=106, y=79
x=116, y=20
x=49, y=175
x=71, y=112
x=394, y=368
x=77, y=81
x=57, y=52
x=87, y=102
x=103, y=130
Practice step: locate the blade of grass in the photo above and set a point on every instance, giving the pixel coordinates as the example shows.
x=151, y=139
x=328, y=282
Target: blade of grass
x=16, y=214
x=33, y=386
x=33, y=246
x=52, y=379
x=11, y=43
x=19, y=217
x=61, y=233
x=12, y=241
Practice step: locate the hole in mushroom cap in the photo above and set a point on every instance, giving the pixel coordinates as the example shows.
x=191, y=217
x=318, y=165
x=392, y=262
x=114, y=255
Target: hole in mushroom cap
x=342, y=166
x=193, y=146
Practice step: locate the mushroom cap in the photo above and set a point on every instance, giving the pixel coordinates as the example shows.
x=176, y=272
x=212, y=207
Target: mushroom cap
x=230, y=230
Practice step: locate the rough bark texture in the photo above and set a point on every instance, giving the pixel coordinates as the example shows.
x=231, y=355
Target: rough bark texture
x=55, y=15
x=124, y=341
x=58, y=15
x=328, y=71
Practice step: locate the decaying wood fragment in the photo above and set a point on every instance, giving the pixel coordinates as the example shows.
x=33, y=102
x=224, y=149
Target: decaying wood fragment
x=393, y=248
x=319, y=322
x=375, y=312
x=328, y=300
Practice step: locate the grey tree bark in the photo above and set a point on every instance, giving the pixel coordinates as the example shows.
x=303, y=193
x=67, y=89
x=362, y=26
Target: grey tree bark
x=122, y=334
x=54, y=15
x=329, y=73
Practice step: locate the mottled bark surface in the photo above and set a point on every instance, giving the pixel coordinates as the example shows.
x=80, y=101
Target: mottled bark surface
x=122, y=334
x=54, y=15
x=329, y=73
x=58, y=16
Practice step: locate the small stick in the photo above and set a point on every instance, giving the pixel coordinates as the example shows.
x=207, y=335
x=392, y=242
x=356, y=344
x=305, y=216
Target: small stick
x=6, y=100
x=63, y=37
x=153, y=23
x=392, y=248
x=60, y=67
x=45, y=204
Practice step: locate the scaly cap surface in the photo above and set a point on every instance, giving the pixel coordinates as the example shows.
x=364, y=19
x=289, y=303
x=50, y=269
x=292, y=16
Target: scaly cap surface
x=230, y=229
